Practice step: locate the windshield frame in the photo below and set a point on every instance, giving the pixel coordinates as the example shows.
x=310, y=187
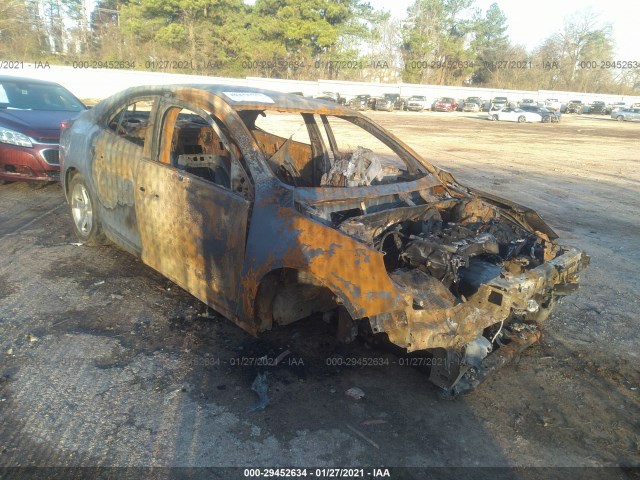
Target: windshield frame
x=417, y=167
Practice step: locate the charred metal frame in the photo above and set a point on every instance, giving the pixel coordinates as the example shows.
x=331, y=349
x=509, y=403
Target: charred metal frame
x=236, y=252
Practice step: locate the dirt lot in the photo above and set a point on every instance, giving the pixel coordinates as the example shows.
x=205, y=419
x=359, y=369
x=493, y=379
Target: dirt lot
x=104, y=362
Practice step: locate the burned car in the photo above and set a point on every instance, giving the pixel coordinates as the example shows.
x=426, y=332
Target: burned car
x=270, y=207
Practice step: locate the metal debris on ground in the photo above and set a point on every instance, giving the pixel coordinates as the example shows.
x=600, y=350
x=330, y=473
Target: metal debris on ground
x=363, y=436
x=354, y=392
x=261, y=387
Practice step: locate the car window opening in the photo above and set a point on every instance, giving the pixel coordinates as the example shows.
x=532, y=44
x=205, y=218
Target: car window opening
x=307, y=150
x=197, y=149
x=132, y=121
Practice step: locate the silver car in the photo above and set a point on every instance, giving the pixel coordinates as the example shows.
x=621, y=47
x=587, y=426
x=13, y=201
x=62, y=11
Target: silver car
x=626, y=114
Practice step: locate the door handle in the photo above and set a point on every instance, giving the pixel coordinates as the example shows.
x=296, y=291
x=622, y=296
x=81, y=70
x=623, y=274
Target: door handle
x=142, y=189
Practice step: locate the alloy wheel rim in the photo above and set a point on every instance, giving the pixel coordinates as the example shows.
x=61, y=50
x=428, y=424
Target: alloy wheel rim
x=81, y=209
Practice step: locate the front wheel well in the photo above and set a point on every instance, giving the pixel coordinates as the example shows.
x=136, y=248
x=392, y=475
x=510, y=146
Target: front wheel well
x=286, y=295
x=68, y=176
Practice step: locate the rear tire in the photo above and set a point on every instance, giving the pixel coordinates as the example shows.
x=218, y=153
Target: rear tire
x=619, y=118
x=84, y=215
x=522, y=119
x=494, y=118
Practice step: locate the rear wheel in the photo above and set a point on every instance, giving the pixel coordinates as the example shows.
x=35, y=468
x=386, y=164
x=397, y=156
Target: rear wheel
x=83, y=213
x=522, y=119
x=494, y=117
x=620, y=118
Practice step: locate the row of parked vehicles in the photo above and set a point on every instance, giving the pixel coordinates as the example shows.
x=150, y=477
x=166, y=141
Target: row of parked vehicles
x=418, y=103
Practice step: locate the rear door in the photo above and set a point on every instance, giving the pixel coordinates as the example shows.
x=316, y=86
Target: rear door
x=191, y=211
x=123, y=142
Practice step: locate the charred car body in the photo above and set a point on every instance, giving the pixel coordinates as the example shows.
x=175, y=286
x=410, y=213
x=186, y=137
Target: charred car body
x=270, y=207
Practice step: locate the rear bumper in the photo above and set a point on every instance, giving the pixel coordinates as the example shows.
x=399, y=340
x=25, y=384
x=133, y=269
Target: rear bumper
x=37, y=163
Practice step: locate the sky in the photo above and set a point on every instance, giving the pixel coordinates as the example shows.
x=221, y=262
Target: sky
x=530, y=22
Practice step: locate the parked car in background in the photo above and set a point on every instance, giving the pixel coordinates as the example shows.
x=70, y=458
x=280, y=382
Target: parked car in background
x=597, y=107
x=359, y=102
x=626, y=114
x=389, y=102
x=459, y=104
x=31, y=112
x=528, y=102
x=417, y=103
x=477, y=100
x=445, y=104
x=614, y=107
x=398, y=102
x=471, y=107
x=574, y=106
x=331, y=96
x=553, y=104
x=548, y=116
x=519, y=115
x=270, y=208
x=381, y=103
x=499, y=103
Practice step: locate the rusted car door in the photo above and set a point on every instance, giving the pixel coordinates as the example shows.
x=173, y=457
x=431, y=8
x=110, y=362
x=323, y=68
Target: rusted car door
x=122, y=143
x=192, y=230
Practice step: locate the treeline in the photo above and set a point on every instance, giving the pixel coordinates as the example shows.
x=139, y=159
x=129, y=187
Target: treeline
x=442, y=42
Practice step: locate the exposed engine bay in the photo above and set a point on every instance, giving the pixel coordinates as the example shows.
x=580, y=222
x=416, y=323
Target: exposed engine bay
x=479, y=276
x=461, y=243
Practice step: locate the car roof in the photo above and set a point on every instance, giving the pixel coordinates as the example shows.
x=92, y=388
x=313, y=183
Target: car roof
x=255, y=98
x=11, y=78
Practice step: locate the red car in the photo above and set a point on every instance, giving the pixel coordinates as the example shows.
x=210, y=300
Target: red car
x=445, y=104
x=31, y=112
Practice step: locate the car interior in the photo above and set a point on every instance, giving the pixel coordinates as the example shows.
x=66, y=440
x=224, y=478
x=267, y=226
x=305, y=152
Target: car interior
x=197, y=149
x=306, y=150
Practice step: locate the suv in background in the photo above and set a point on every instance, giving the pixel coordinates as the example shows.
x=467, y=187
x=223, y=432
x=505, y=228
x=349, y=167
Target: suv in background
x=553, y=104
x=528, y=102
x=499, y=103
x=598, y=107
x=389, y=102
x=616, y=106
x=472, y=104
x=359, y=102
x=331, y=96
x=574, y=106
x=417, y=103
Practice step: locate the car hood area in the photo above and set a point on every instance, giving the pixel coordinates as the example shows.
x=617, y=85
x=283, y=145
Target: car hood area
x=470, y=266
x=35, y=123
